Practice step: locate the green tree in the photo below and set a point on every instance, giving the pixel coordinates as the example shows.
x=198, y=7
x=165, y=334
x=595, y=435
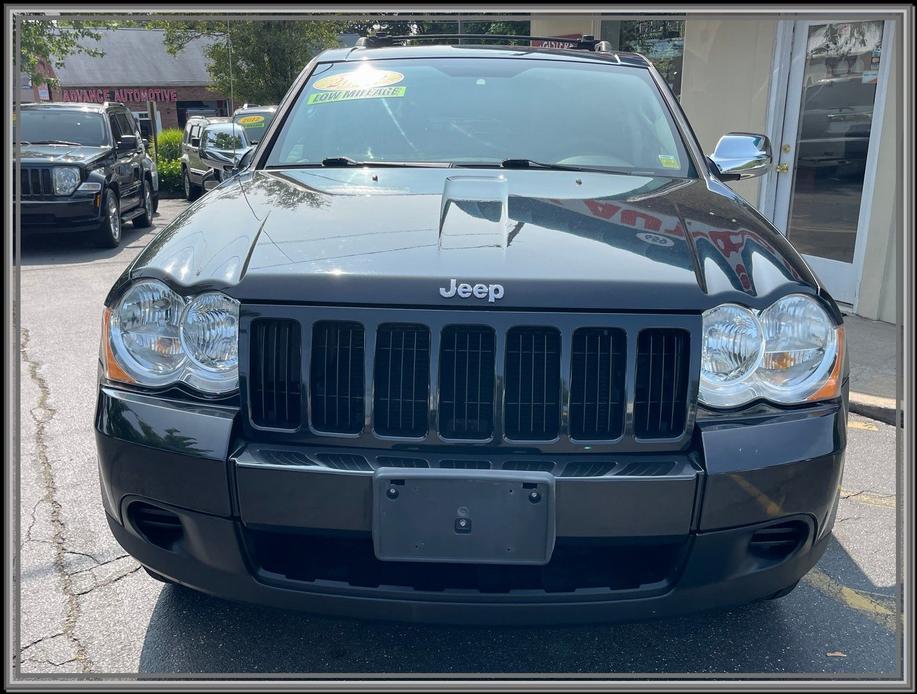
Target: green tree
x=45, y=42
x=255, y=61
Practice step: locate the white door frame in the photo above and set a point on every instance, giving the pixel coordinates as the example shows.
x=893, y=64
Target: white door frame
x=785, y=101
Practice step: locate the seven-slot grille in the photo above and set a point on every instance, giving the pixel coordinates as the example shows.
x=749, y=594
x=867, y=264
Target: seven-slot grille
x=529, y=383
x=532, y=402
x=597, y=388
x=275, y=379
x=662, y=386
x=401, y=382
x=36, y=181
x=336, y=386
x=466, y=382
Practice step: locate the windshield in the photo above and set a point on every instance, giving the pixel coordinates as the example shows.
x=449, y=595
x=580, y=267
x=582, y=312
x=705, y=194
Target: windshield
x=477, y=111
x=255, y=123
x=57, y=126
x=226, y=136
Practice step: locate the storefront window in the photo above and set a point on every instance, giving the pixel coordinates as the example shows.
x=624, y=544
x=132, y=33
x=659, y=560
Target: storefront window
x=661, y=41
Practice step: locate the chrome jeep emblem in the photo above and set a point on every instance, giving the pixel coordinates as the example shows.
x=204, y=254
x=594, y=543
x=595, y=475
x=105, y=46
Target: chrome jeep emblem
x=491, y=292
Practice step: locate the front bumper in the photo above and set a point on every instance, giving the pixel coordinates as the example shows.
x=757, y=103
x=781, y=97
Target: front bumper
x=75, y=214
x=250, y=526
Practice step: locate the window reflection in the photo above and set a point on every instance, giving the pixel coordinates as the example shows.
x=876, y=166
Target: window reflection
x=839, y=91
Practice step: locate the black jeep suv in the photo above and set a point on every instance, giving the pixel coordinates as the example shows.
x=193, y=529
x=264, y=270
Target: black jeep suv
x=83, y=168
x=476, y=334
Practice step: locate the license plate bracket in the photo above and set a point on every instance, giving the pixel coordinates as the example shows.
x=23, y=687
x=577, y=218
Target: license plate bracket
x=463, y=516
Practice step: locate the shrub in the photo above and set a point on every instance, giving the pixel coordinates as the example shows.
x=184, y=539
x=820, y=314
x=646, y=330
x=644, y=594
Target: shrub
x=168, y=142
x=170, y=176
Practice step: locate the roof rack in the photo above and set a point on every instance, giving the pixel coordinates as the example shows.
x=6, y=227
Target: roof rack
x=586, y=42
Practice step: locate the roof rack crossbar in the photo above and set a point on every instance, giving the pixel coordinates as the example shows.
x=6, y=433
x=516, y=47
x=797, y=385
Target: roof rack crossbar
x=586, y=42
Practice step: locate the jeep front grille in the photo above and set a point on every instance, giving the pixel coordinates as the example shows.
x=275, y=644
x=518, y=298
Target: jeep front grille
x=597, y=397
x=336, y=386
x=275, y=381
x=36, y=181
x=401, y=384
x=662, y=388
x=532, y=408
x=466, y=382
x=558, y=382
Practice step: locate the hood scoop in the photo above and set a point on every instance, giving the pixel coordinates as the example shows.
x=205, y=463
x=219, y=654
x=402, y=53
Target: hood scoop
x=474, y=212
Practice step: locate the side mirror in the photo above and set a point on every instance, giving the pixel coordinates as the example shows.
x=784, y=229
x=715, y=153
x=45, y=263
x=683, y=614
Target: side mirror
x=195, y=142
x=244, y=160
x=127, y=143
x=742, y=155
x=146, y=144
x=209, y=180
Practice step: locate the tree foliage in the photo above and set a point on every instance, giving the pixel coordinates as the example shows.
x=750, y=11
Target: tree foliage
x=48, y=42
x=254, y=61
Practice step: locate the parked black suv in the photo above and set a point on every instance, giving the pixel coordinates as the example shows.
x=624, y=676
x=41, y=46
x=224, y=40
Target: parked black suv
x=84, y=168
x=477, y=335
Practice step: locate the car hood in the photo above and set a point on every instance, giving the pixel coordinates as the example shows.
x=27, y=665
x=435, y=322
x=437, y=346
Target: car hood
x=552, y=239
x=61, y=154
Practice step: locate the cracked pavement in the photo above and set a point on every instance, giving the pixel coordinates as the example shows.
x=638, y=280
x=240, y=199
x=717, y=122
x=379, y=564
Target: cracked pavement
x=86, y=607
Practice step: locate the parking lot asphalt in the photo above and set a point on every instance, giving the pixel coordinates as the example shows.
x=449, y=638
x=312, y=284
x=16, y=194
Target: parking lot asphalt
x=87, y=608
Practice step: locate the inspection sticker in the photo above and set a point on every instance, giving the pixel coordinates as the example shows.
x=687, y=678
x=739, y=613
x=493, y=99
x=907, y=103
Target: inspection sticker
x=374, y=93
x=669, y=162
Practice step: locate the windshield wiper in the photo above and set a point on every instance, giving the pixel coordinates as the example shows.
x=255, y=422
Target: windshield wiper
x=55, y=142
x=532, y=164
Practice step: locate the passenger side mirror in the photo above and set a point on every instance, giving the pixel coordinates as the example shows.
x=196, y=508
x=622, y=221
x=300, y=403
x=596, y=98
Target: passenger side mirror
x=195, y=142
x=127, y=143
x=741, y=155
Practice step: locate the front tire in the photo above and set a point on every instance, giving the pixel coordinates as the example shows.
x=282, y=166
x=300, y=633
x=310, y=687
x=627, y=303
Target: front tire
x=192, y=192
x=146, y=201
x=109, y=232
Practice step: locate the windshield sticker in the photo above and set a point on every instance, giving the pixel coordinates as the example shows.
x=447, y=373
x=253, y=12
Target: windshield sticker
x=669, y=162
x=363, y=78
x=251, y=121
x=350, y=95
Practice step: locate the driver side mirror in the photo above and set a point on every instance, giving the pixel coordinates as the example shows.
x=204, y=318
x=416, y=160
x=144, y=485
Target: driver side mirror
x=195, y=142
x=127, y=143
x=742, y=155
x=243, y=161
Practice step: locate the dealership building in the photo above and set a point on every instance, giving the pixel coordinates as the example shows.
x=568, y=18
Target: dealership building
x=135, y=69
x=823, y=90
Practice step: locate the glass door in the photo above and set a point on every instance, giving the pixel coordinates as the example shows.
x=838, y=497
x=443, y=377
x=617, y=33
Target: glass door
x=831, y=127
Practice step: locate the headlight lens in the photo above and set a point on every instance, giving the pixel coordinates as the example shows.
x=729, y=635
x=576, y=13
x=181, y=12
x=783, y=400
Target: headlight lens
x=145, y=332
x=789, y=353
x=65, y=179
x=210, y=338
x=801, y=343
x=155, y=337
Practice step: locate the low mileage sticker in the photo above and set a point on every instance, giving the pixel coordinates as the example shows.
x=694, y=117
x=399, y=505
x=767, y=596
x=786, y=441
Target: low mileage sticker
x=351, y=94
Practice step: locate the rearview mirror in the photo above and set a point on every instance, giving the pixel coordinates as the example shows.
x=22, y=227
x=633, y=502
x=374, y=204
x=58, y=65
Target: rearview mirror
x=742, y=155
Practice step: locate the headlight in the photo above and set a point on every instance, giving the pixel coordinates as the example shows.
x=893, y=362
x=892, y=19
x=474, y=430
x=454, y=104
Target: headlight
x=210, y=338
x=155, y=337
x=65, y=179
x=800, y=349
x=732, y=349
x=789, y=353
